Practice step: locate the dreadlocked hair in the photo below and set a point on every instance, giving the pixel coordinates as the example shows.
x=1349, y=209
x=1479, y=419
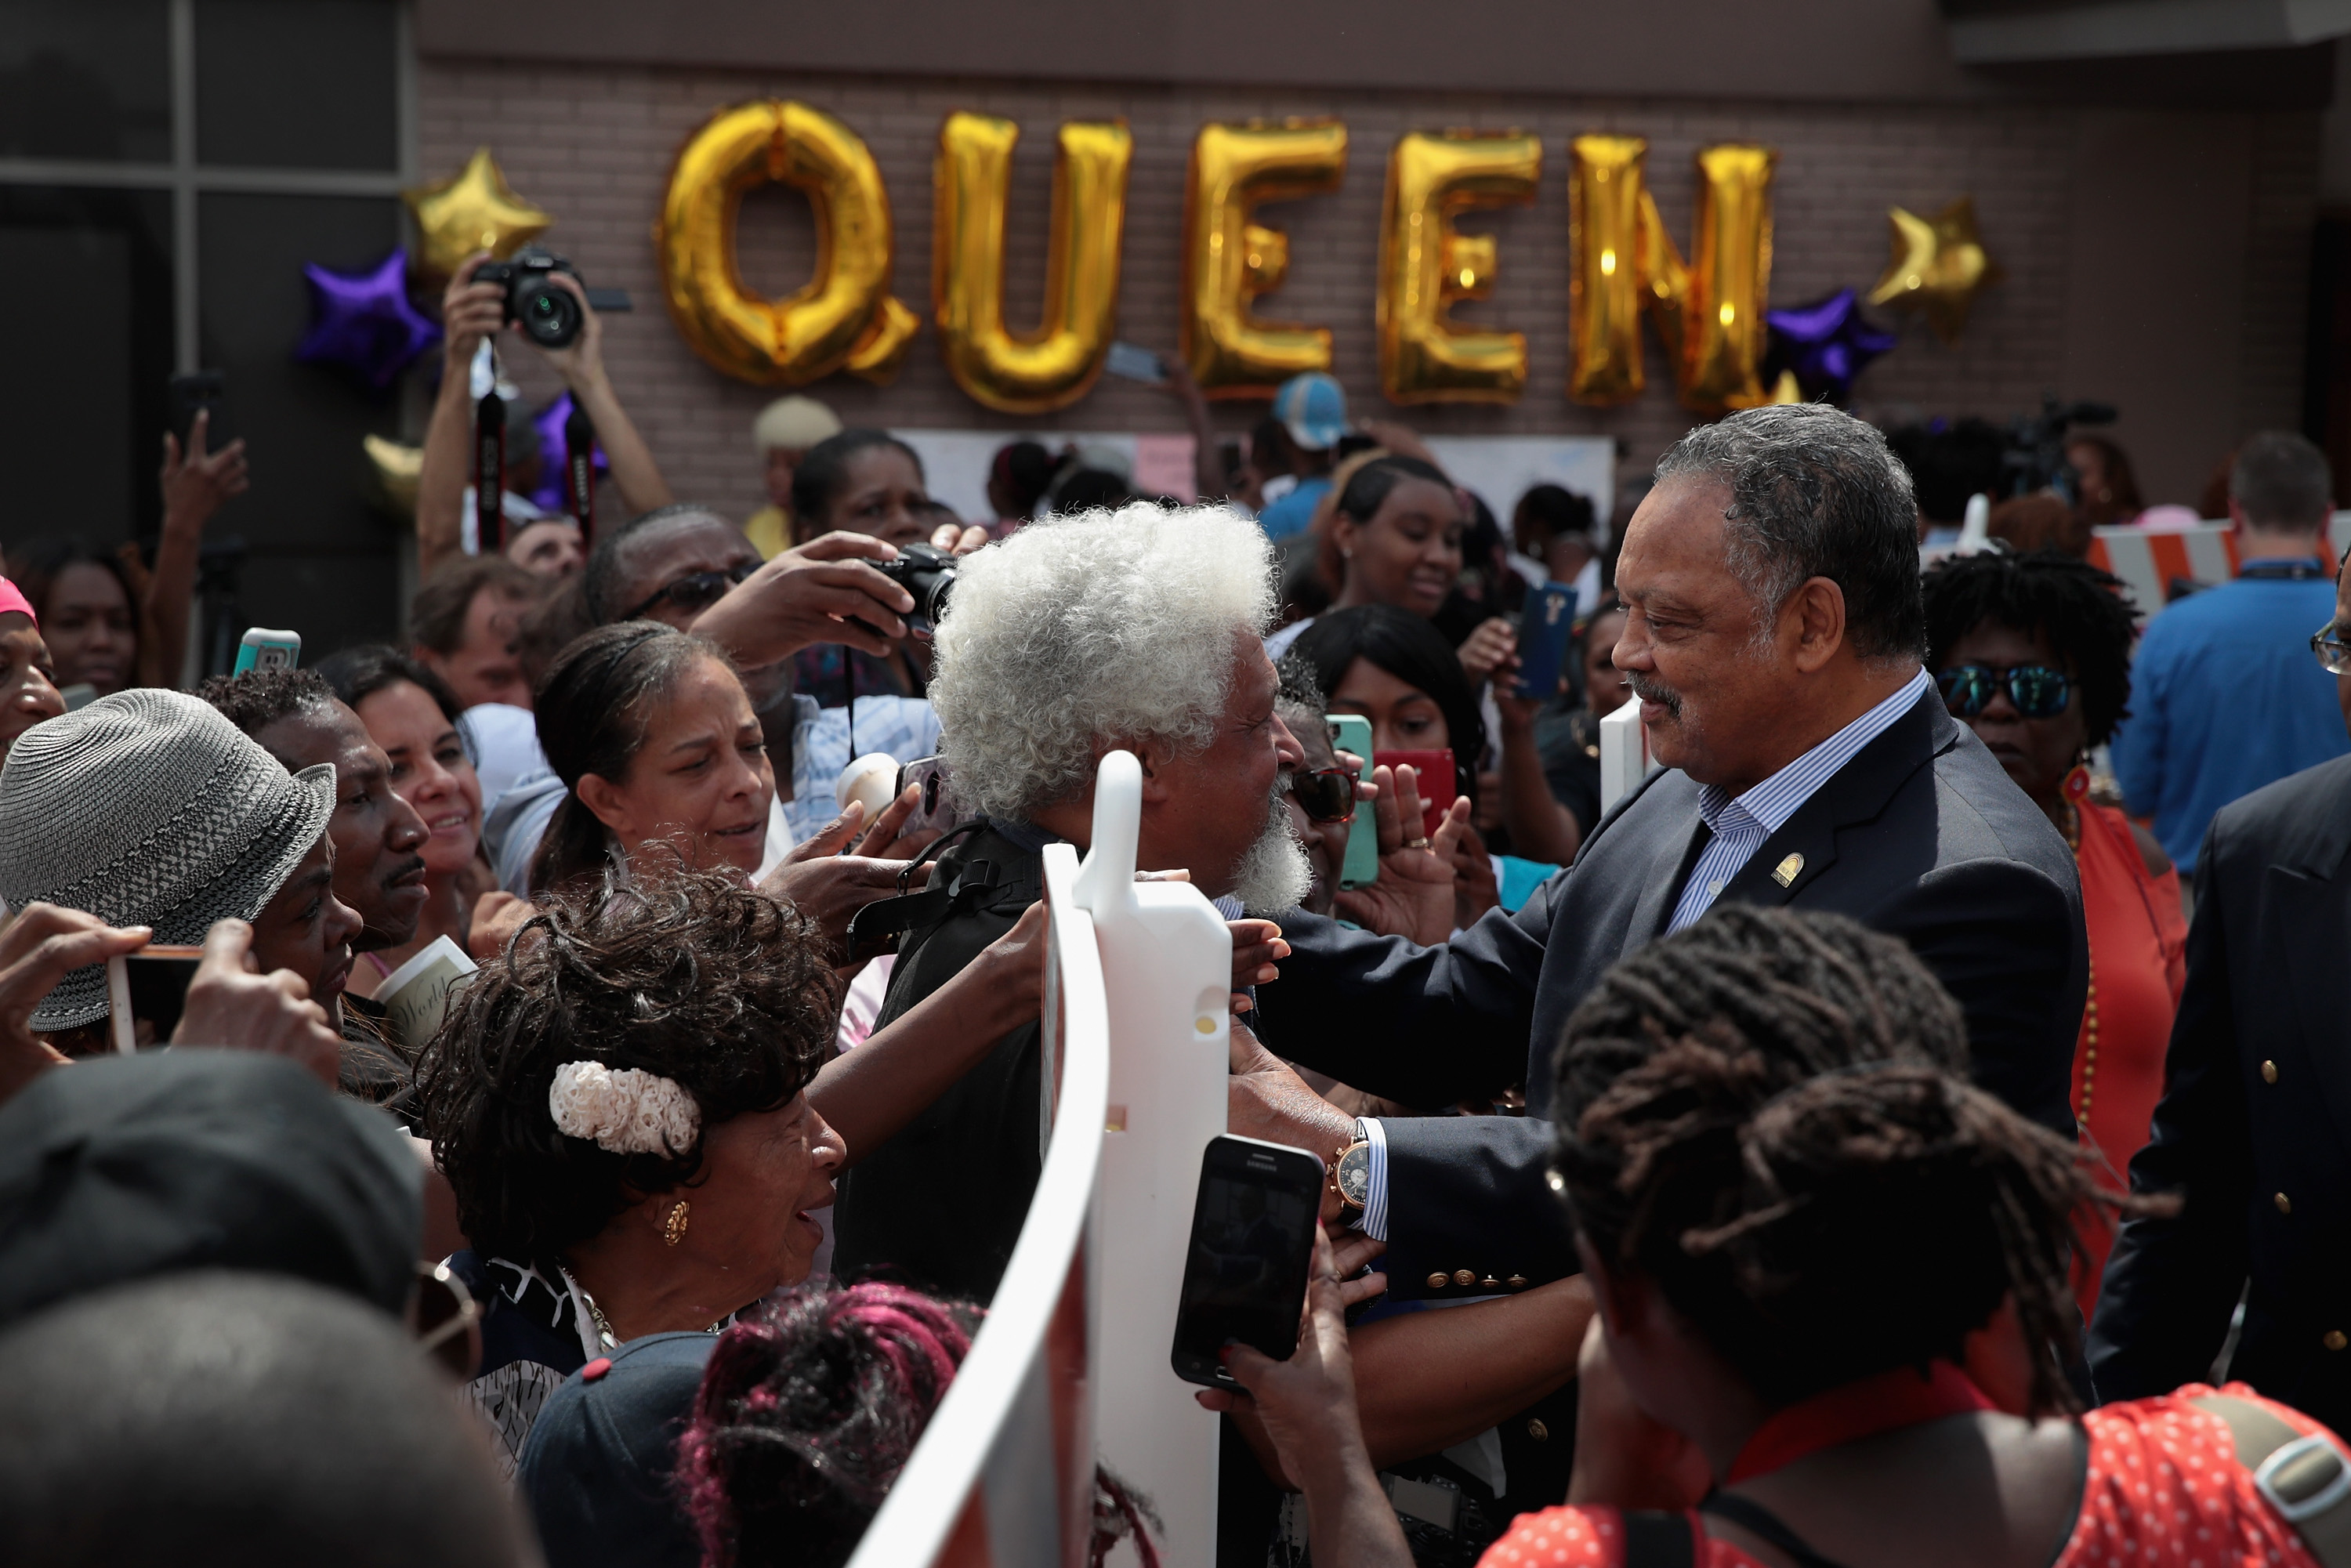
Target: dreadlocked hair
x=807, y=1413
x=2078, y=608
x=692, y=976
x=1766, y=1114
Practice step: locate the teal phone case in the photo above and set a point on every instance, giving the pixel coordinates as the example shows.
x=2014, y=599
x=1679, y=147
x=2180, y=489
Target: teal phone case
x=1352, y=732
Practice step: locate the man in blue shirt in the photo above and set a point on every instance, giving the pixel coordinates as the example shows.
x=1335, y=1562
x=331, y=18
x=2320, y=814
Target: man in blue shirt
x=2225, y=696
x=1312, y=412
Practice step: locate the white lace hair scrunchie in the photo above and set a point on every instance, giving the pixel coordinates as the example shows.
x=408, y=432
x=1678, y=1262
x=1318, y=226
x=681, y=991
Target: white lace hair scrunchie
x=623, y=1110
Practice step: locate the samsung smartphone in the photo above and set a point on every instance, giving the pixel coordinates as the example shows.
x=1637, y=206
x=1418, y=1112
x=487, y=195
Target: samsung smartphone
x=201, y=391
x=1545, y=623
x=1136, y=363
x=1352, y=732
x=145, y=992
x=262, y=649
x=1439, y=781
x=1252, y=1245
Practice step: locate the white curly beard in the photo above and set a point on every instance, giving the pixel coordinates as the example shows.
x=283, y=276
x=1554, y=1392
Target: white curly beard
x=1275, y=874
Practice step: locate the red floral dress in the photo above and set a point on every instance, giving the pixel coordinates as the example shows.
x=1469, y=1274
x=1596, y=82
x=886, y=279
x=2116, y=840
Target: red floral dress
x=2165, y=1490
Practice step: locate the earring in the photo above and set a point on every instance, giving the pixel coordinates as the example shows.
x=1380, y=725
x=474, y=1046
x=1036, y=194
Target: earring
x=674, y=1231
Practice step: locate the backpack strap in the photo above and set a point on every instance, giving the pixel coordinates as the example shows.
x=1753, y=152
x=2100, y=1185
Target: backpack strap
x=2304, y=1476
x=1660, y=1540
x=1762, y=1523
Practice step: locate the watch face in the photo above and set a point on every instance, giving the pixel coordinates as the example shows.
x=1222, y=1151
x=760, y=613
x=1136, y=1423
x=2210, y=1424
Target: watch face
x=1355, y=1177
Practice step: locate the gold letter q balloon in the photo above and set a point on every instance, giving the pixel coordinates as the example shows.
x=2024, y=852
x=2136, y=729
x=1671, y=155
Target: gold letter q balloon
x=1058, y=363
x=845, y=318
x=1424, y=266
x=1709, y=311
x=1229, y=260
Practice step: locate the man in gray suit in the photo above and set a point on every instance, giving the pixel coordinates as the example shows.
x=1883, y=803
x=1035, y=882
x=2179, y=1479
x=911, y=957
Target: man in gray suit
x=1773, y=637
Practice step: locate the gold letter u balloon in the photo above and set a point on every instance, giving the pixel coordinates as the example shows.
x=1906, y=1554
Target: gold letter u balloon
x=1057, y=364
x=845, y=318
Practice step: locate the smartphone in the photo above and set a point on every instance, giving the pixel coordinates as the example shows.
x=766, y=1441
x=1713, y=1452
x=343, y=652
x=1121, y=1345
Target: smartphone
x=79, y=695
x=1136, y=363
x=146, y=992
x=937, y=811
x=262, y=649
x=1545, y=623
x=1440, y=782
x=1252, y=1244
x=201, y=391
x=1352, y=732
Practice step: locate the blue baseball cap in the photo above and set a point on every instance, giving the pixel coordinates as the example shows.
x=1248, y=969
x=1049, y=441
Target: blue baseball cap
x=1313, y=409
x=596, y=1471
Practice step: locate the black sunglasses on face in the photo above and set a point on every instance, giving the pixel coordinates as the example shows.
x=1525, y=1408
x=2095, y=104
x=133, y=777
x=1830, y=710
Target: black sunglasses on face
x=2036, y=691
x=696, y=591
x=1325, y=795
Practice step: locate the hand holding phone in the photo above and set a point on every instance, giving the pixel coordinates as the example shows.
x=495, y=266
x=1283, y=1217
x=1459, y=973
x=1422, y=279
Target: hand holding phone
x=146, y=992
x=229, y=1004
x=263, y=649
x=1253, y=1228
x=1353, y=733
x=1545, y=624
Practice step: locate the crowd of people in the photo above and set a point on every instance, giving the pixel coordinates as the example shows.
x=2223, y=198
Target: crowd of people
x=1856, y=1145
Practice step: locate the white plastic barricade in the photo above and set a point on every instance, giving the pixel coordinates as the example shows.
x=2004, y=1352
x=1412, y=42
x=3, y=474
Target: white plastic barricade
x=1623, y=754
x=2147, y=560
x=1071, y=1361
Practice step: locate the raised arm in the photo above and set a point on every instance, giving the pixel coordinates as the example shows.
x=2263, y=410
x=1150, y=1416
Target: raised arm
x=470, y=312
x=195, y=484
x=870, y=1093
x=582, y=365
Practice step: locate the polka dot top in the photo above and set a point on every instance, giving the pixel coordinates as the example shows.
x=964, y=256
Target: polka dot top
x=2165, y=1490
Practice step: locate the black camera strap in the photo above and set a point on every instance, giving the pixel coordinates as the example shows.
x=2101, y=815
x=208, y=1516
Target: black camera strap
x=490, y=470
x=579, y=471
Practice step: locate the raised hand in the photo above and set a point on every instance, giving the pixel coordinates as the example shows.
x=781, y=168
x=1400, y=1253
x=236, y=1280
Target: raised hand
x=40, y=947
x=235, y=1007
x=825, y=590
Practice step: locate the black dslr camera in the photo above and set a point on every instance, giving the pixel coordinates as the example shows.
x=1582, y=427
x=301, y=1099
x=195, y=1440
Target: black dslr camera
x=926, y=572
x=551, y=316
x=2034, y=454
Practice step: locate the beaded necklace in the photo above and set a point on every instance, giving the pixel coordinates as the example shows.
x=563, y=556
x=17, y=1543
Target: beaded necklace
x=2090, y=1013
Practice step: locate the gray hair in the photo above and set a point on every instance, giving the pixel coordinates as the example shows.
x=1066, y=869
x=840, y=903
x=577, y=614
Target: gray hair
x=1815, y=492
x=2283, y=481
x=1078, y=632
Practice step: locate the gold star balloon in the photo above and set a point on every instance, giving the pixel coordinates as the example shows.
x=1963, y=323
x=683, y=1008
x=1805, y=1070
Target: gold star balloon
x=474, y=210
x=397, y=468
x=1938, y=266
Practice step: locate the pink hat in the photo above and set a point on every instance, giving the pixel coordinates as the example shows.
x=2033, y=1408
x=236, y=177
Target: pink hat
x=13, y=600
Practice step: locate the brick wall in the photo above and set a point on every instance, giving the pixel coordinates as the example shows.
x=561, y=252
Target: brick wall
x=593, y=146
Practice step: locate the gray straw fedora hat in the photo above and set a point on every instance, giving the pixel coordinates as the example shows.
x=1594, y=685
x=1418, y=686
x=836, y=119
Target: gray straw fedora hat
x=148, y=807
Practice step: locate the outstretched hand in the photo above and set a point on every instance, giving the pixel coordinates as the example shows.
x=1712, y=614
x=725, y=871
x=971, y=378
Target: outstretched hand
x=232, y=1005
x=1414, y=894
x=825, y=590
x=197, y=483
x=39, y=948
x=1265, y=1099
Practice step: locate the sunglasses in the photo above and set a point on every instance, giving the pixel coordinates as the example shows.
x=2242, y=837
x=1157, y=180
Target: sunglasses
x=696, y=591
x=2036, y=691
x=2333, y=652
x=1325, y=794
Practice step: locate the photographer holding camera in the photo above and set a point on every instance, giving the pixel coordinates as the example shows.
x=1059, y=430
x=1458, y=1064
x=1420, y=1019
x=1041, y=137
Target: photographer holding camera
x=474, y=308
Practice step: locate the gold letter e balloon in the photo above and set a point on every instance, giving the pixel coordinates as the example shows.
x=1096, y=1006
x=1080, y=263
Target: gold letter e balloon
x=845, y=318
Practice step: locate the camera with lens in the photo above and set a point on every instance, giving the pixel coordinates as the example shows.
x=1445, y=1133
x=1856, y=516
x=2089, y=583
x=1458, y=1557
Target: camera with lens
x=2034, y=454
x=550, y=315
x=926, y=572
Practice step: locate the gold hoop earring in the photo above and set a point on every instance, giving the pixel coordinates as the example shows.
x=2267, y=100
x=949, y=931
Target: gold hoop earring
x=674, y=1231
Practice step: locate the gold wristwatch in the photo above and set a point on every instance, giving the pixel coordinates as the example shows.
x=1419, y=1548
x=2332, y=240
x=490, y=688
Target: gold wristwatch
x=1350, y=1177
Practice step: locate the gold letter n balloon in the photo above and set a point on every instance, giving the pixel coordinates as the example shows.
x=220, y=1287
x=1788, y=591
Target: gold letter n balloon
x=1424, y=266
x=845, y=318
x=1059, y=362
x=1709, y=311
x=1229, y=259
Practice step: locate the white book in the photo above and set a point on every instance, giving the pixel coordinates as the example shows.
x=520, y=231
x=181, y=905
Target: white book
x=415, y=995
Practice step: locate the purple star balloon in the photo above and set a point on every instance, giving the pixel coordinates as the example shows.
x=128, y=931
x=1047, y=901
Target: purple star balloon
x=364, y=323
x=550, y=492
x=1826, y=343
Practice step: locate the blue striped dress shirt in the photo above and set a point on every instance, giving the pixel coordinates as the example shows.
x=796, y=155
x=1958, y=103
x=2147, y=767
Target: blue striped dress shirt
x=1740, y=824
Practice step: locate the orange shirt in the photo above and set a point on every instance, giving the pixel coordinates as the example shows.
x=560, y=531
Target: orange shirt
x=2138, y=964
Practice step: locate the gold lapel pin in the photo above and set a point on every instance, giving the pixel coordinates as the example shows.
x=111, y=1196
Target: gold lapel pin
x=1787, y=871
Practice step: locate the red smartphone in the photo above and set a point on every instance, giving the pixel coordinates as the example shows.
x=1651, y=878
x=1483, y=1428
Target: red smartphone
x=1439, y=781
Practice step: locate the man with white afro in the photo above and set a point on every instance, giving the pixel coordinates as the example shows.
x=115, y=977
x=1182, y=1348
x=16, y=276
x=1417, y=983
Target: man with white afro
x=1139, y=631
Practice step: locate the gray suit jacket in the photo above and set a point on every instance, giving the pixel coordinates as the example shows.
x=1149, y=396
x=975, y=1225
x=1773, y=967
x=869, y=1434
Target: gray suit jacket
x=1921, y=836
